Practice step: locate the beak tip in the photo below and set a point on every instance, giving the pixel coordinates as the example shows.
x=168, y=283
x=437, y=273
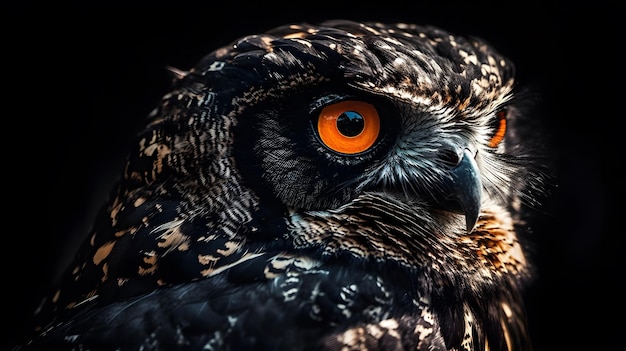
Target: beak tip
x=468, y=189
x=471, y=217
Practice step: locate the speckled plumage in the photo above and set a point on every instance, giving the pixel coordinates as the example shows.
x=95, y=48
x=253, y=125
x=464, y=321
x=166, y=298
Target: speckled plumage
x=234, y=227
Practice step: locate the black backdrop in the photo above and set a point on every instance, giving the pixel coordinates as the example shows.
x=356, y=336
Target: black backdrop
x=81, y=78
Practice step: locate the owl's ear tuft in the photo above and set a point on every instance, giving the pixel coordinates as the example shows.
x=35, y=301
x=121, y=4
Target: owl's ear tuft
x=178, y=74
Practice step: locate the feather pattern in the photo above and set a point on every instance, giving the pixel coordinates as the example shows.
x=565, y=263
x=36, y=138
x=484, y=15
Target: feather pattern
x=235, y=226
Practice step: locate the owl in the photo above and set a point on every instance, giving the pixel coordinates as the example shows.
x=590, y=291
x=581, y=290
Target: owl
x=331, y=186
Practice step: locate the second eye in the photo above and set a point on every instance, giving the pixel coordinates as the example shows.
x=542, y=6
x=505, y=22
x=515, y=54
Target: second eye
x=499, y=127
x=348, y=127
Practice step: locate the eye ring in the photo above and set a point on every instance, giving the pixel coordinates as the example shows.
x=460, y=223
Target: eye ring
x=499, y=127
x=348, y=127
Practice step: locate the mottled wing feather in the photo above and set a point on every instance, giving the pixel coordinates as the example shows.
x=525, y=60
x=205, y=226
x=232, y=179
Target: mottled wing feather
x=262, y=302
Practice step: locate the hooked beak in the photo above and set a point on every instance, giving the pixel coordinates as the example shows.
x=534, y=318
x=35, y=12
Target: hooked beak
x=463, y=190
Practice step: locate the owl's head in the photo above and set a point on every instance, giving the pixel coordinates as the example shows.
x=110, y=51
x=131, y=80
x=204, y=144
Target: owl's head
x=405, y=125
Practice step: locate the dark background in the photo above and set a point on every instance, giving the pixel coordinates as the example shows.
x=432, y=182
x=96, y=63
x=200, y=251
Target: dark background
x=81, y=78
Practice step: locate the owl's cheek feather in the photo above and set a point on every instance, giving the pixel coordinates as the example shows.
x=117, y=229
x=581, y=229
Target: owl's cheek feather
x=494, y=244
x=414, y=236
x=456, y=188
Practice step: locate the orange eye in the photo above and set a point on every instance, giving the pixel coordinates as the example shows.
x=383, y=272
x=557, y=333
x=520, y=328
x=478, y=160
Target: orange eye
x=348, y=127
x=500, y=128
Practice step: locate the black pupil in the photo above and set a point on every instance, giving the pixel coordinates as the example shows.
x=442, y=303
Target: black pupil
x=350, y=123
